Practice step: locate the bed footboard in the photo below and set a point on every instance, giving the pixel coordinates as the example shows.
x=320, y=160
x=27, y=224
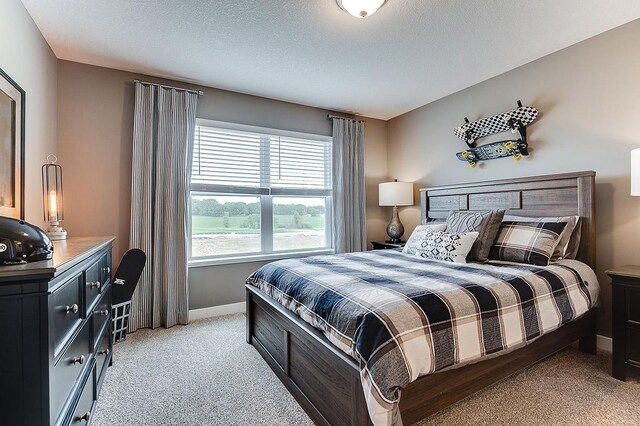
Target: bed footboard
x=324, y=381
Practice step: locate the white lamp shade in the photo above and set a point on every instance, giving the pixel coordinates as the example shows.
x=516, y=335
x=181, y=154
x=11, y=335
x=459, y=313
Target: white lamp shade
x=635, y=172
x=361, y=8
x=395, y=194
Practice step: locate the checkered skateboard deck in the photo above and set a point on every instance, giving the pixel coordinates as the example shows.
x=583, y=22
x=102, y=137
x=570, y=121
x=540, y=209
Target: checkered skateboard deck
x=510, y=148
x=512, y=120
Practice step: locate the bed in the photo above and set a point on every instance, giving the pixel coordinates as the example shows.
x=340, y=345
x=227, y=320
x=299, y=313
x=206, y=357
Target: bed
x=316, y=365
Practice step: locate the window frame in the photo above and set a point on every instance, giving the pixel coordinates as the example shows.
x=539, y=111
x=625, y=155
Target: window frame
x=266, y=197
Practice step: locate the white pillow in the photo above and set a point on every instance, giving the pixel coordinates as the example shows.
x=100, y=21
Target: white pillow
x=452, y=247
x=569, y=240
x=418, y=235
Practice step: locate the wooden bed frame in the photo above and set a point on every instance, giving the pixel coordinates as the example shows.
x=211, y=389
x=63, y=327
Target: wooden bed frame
x=326, y=381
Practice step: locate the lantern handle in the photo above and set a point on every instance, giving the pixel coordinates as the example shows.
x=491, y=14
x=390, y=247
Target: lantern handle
x=51, y=158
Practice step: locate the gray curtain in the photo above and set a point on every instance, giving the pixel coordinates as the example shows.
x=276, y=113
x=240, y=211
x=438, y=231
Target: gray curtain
x=164, y=124
x=349, y=218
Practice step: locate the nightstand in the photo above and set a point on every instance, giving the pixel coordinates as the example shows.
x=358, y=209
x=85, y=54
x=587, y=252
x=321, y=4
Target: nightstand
x=382, y=245
x=625, y=282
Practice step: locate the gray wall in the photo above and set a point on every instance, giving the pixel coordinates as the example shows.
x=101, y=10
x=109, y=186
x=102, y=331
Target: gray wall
x=26, y=57
x=95, y=127
x=588, y=96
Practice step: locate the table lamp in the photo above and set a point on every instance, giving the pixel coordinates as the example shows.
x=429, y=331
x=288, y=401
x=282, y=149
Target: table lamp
x=53, y=198
x=395, y=194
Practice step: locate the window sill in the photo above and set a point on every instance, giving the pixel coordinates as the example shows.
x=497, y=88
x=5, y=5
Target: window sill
x=203, y=262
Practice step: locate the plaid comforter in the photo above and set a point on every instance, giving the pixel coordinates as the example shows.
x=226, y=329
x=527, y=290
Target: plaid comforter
x=403, y=317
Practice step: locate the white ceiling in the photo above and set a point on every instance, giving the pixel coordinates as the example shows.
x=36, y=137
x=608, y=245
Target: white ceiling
x=411, y=52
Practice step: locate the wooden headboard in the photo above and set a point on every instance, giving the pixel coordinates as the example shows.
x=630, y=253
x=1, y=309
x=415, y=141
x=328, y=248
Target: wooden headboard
x=564, y=194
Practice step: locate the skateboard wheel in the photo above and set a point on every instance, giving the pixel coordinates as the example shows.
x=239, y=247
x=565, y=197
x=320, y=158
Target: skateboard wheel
x=473, y=164
x=517, y=157
x=508, y=145
x=465, y=154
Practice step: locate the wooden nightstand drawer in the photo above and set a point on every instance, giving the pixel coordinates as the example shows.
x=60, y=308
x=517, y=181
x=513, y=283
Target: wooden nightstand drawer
x=633, y=347
x=625, y=301
x=633, y=305
x=384, y=245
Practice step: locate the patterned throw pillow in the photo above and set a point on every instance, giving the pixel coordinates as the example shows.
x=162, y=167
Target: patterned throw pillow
x=569, y=243
x=486, y=223
x=527, y=242
x=418, y=235
x=451, y=247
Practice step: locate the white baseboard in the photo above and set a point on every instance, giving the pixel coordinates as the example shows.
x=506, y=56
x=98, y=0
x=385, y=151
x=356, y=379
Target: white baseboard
x=605, y=343
x=216, y=311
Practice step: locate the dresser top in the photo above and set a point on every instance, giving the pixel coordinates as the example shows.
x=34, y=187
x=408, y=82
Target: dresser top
x=66, y=253
x=629, y=271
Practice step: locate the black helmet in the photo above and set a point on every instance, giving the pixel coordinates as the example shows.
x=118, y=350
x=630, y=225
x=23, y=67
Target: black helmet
x=20, y=241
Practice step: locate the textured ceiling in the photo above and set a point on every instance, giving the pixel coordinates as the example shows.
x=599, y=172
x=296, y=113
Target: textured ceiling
x=409, y=53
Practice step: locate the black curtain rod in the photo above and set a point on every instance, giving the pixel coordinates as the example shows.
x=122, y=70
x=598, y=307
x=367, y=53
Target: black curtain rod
x=147, y=83
x=331, y=116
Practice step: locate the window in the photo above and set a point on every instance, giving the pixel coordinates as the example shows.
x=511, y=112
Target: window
x=258, y=193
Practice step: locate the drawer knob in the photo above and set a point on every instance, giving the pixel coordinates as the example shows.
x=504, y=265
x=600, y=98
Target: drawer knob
x=106, y=270
x=73, y=309
x=105, y=352
x=78, y=360
x=85, y=417
x=96, y=285
x=105, y=312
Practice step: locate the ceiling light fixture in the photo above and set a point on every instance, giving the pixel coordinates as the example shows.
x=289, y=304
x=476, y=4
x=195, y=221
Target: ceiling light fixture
x=361, y=8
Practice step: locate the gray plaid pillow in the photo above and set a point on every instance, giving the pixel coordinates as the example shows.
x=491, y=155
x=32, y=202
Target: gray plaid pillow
x=569, y=243
x=527, y=242
x=486, y=223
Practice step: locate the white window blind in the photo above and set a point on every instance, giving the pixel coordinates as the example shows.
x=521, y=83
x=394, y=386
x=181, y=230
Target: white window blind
x=234, y=161
x=259, y=192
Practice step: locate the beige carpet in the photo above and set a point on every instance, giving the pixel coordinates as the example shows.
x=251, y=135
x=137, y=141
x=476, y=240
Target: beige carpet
x=205, y=374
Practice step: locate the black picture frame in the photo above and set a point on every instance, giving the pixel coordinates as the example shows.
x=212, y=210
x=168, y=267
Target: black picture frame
x=12, y=139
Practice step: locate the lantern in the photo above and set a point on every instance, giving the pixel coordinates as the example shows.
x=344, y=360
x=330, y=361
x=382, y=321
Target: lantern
x=53, y=198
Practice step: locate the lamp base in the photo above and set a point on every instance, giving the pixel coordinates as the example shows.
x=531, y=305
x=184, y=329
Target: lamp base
x=56, y=233
x=395, y=229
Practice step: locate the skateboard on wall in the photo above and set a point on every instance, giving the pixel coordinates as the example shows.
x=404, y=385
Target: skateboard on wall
x=515, y=148
x=516, y=121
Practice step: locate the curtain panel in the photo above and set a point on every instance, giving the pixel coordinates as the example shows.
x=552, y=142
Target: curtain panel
x=164, y=125
x=348, y=186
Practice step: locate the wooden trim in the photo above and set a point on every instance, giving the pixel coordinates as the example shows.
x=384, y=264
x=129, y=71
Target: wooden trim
x=539, y=178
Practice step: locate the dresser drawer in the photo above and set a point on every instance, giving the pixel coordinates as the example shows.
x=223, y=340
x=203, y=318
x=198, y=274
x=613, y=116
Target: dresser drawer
x=105, y=267
x=101, y=315
x=93, y=285
x=84, y=409
x=633, y=305
x=103, y=355
x=633, y=344
x=69, y=368
x=65, y=306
